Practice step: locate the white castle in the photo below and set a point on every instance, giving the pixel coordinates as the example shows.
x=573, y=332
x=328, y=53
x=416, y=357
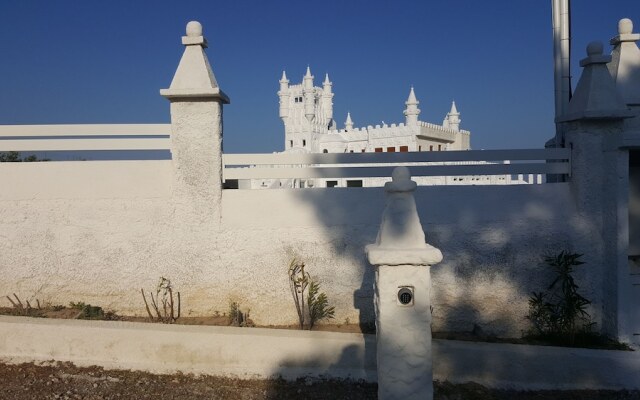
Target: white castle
x=307, y=113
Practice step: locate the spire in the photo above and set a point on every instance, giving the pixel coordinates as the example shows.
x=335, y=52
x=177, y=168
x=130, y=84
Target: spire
x=326, y=80
x=284, y=96
x=454, y=110
x=412, y=98
x=308, y=95
x=348, y=124
x=452, y=120
x=411, y=111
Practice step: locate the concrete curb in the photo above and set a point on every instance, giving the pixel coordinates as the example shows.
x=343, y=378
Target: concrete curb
x=264, y=353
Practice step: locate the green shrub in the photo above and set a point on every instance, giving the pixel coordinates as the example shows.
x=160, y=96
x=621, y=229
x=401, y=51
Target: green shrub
x=560, y=313
x=318, y=305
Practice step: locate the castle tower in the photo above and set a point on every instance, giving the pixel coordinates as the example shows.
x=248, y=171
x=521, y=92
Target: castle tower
x=452, y=120
x=348, y=124
x=308, y=97
x=327, y=98
x=284, y=95
x=306, y=111
x=411, y=111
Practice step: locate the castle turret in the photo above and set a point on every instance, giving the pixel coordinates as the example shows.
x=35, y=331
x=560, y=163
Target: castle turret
x=307, y=94
x=411, y=111
x=452, y=120
x=348, y=124
x=327, y=98
x=284, y=96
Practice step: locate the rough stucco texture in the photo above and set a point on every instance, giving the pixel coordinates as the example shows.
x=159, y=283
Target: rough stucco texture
x=102, y=251
x=403, y=334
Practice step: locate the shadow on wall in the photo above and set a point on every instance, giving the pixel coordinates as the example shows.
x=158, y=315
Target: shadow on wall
x=493, y=239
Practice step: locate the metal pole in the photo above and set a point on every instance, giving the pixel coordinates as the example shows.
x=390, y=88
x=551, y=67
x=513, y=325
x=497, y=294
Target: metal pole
x=562, y=62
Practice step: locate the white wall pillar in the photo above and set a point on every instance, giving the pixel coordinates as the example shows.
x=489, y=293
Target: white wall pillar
x=196, y=130
x=599, y=184
x=402, y=295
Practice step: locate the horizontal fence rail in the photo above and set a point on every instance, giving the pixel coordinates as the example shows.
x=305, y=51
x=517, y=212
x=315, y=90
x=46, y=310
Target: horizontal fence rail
x=370, y=165
x=26, y=138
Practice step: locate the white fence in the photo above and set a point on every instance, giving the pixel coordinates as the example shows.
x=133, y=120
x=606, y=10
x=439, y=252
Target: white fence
x=119, y=137
x=371, y=165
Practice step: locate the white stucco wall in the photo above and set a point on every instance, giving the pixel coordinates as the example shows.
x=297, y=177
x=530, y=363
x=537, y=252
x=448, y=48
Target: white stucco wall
x=63, y=245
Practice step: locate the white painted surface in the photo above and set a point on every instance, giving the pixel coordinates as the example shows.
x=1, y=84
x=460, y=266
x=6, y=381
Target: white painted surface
x=209, y=350
x=60, y=248
x=253, y=352
x=76, y=181
x=85, y=130
x=402, y=260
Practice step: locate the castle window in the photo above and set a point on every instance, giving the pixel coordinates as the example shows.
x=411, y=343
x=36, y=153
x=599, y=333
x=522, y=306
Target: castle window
x=439, y=147
x=290, y=143
x=391, y=149
x=354, y=183
x=350, y=151
x=404, y=149
x=430, y=147
x=419, y=148
x=325, y=151
x=363, y=150
x=332, y=183
x=304, y=142
x=378, y=149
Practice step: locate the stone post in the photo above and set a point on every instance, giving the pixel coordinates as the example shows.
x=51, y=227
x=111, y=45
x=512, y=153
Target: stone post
x=196, y=130
x=599, y=184
x=402, y=295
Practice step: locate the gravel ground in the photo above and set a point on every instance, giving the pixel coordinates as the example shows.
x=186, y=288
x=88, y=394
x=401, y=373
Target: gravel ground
x=65, y=381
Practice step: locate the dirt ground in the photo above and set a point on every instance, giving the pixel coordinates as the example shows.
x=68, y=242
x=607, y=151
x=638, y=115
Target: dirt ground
x=65, y=381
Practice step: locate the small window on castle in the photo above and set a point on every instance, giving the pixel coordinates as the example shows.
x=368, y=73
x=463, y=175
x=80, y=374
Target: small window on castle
x=332, y=183
x=419, y=148
x=354, y=183
x=304, y=142
x=379, y=149
x=290, y=143
x=363, y=150
x=404, y=149
x=439, y=147
x=430, y=147
x=391, y=149
x=325, y=151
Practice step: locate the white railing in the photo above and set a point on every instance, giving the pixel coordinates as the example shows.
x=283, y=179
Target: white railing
x=370, y=165
x=84, y=137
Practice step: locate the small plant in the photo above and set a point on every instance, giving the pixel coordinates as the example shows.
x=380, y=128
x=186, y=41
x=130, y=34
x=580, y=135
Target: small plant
x=298, y=282
x=162, y=303
x=87, y=311
x=560, y=312
x=21, y=309
x=316, y=307
x=237, y=317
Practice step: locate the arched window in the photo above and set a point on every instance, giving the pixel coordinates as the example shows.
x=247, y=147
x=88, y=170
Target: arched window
x=325, y=151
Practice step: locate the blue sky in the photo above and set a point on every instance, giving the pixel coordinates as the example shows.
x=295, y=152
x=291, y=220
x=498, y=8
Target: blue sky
x=104, y=62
